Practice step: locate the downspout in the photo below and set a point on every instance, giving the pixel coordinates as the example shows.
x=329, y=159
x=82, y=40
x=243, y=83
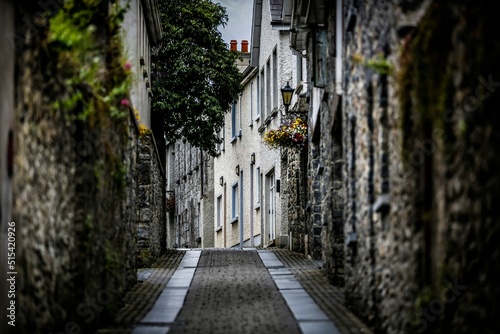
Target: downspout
x=225, y=217
x=241, y=210
x=251, y=204
x=339, y=31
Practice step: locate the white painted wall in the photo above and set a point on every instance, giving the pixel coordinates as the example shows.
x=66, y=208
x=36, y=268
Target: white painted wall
x=239, y=150
x=137, y=45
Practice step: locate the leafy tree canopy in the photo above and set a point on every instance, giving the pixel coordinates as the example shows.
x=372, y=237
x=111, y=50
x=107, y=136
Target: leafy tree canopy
x=195, y=76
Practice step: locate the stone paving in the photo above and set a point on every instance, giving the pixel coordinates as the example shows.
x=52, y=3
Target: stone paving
x=234, y=291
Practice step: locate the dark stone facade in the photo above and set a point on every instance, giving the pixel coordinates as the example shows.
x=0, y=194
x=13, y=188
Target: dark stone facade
x=151, y=226
x=402, y=164
x=74, y=199
x=294, y=197
x=193, y=175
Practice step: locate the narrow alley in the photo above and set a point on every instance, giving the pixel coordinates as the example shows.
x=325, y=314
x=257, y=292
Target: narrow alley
x=249, y=166
x=235, y=291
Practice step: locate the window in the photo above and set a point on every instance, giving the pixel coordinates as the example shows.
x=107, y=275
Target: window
x=262, y=95
x=259, y=186
x=257, y=105
x=299, y=68
x=251, y=104
x=235, y=203
x=234, y=122
x=268, y=87
x=239, y=116
x=218, y=220
x=319, y=58
x=219, y=147
x=275, y=79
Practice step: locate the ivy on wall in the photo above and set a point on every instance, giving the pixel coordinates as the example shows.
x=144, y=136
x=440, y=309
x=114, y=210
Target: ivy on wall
x=90, y=62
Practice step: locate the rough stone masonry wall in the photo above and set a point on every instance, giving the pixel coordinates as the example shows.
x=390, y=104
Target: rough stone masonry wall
x=331, y=167
x=151, y=226
x=426, y=136
x=450, y=82
x=188, y=190
x=293, y=196
x=380, y=252
x=74, y=208
x=208, y=206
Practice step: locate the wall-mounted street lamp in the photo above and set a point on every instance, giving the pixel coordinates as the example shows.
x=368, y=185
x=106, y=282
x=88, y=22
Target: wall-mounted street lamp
x=252, y=159
x=221, y=181
x=237, y=170
x=286, y=94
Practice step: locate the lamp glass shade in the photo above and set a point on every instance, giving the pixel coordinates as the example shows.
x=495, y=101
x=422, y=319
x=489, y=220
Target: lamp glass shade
x=221, y=180
x=237, y=170
x=286, y=94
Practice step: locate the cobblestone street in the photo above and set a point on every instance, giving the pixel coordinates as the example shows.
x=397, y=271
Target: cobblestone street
x=234, y=291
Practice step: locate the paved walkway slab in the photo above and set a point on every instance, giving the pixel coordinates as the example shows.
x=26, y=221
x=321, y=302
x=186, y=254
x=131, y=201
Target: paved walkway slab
x=171, y=300
x=311, y=319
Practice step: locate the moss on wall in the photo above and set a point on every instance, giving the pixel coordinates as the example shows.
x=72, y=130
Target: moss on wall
x=73, y=185
x=448, y=94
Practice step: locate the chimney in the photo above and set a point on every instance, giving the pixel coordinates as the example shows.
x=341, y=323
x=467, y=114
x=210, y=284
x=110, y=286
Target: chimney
x=244, y=46
x=234, y=45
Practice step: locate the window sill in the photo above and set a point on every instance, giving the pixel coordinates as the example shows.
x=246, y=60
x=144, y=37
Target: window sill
x=234, y=139
x=218, y=229
x=257, y=207
x=235, y=220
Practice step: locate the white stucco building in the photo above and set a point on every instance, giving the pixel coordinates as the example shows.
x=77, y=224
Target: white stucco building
x=141, y=29
x=247, y=201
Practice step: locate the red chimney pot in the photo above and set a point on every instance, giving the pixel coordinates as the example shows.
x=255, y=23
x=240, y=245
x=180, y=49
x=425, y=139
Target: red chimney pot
x=234, y=45
x=244, y=46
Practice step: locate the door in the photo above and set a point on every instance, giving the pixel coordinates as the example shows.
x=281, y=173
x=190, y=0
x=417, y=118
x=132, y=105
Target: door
x=271, y=212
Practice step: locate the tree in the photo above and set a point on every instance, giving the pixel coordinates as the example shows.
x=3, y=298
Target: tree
x=195, y=75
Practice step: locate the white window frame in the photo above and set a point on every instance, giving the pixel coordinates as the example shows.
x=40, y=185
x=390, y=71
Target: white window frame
x=218, y=207
x=235, y=201
x=234, y=122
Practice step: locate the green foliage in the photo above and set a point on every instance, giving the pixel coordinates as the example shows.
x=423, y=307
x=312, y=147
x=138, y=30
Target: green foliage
x=379, y=63
x=194, y=72
x=74, y=40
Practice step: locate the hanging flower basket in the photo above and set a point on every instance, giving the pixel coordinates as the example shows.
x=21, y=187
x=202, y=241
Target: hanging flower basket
x=293, y=135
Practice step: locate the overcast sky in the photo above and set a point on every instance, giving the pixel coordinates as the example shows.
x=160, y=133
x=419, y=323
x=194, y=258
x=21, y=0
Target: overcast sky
x=240, y=20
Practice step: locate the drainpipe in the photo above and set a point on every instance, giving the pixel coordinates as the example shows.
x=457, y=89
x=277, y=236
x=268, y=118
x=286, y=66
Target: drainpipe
x=241, y=220
x=225, y=217
x=339, y=32
x=251, y=205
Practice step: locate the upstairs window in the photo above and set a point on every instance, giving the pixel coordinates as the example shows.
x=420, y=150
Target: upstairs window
x=235, y=202
x=234, y=122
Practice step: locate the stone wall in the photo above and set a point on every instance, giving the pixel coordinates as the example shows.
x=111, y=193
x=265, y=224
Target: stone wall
x=381, y=262
x=419, y=159
x=293, y=166
x=74, y=198
x=207, y=205
x=450, y=143
x=190, y=185
x=151, y=226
